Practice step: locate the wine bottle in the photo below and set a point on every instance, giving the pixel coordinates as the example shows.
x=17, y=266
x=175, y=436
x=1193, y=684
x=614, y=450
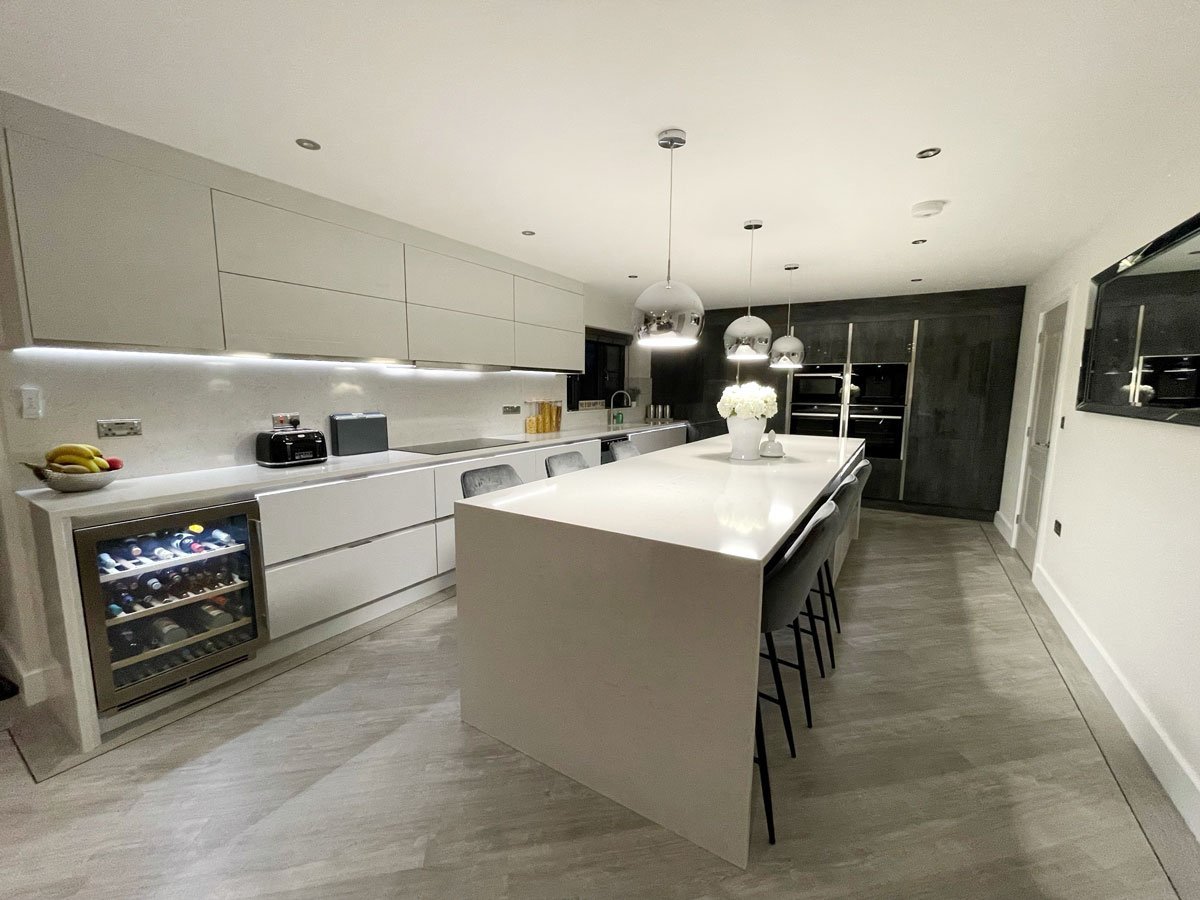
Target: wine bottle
x=114, y=610
x=149, y=582
x=131, y=547
x=166, y=631
x=185, y=542
x=106, y=560
x=222, y=537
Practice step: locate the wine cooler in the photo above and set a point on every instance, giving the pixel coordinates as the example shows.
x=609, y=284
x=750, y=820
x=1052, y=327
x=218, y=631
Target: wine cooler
x=170, y=599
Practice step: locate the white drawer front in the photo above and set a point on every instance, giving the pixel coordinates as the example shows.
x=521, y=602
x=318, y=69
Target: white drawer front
x=308, y=591
x=449, y=487
x=300, y=521
x=443, y=335
x=276, y=317
x=548, y=348
x=540, y=304
x=449, y=283
x=445, y=544
x=256, y=239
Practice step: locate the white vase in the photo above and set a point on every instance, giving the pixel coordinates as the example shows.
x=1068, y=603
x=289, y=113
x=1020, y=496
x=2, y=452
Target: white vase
x=746, y=436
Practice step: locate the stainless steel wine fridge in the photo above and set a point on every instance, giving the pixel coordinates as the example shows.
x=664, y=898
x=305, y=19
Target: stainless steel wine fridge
x=170, y=599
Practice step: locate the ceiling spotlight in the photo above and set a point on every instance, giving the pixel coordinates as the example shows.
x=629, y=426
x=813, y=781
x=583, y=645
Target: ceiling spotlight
x=308, y=144
x=920, y=241
x=914, y=280
x=928, y=152
x=631, y=276
x=927, y=208
x=529, y=233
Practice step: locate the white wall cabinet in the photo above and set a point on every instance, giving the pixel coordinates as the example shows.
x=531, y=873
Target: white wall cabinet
x=444, y=335
x=275, y=317
x=304, y=520
x=548, y=348
x=448, y=283
x=535, y=303
x=659, y=439
x=310, y=590
x=113, y=253
x=267, y=242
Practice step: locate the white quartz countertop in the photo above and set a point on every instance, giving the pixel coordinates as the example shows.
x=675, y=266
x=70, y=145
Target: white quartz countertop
x=692, y=495
x=218, y=485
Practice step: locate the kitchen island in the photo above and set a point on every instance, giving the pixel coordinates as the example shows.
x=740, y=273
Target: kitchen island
x=609, y=621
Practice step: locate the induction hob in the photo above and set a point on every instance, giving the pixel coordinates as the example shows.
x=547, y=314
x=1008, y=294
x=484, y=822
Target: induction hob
x=459, y=446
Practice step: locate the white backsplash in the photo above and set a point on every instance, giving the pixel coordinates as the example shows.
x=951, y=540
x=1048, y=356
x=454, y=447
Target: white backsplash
x=202, y=412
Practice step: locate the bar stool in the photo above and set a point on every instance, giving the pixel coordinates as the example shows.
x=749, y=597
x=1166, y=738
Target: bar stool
x=623, y=450
x=562, y=463
x=487, y=479
x=847, y=496
x=785, y=587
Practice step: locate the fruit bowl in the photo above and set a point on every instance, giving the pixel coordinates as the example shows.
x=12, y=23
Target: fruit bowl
x=72, y=468
x=66, y=483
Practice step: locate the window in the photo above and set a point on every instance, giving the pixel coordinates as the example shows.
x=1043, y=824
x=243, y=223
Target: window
x=603, y=367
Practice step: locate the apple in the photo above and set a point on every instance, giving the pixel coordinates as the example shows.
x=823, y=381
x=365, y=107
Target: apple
x=113, y=462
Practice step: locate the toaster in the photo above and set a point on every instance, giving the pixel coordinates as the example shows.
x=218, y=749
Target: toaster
x=290, y=447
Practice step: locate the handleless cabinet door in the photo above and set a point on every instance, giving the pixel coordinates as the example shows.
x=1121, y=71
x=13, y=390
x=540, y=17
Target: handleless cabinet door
x=444, y=335
x=448, y=283
x=882, y=341
x=268, y=242
x=824, y=342
x=113, y=253
x=274, y=317
x=548, y=348
x=540, y=304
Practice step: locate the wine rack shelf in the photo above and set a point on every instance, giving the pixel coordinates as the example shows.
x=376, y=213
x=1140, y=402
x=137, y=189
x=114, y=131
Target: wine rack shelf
x=177, y=602
x=159, y=564
x=179, y=645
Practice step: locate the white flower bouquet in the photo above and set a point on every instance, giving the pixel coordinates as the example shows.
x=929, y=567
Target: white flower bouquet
x=748, y=401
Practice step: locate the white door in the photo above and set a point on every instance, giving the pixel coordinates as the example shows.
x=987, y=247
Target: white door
x=1040, y=430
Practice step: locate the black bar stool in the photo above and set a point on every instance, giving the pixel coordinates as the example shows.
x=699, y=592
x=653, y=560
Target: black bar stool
x=847, y=496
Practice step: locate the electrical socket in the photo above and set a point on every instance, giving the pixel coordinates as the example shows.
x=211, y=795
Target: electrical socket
x=118, y=427
x=1057, y=527
x=508, y=410
x=283, y=420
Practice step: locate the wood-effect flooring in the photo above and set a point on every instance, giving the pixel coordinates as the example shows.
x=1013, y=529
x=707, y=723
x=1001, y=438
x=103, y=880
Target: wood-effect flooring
x=948, y=759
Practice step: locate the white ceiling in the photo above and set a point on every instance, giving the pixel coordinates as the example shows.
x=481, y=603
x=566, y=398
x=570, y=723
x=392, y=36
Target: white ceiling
x=479, y=119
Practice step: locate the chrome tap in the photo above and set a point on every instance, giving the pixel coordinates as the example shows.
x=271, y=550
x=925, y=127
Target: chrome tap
x=612, y=407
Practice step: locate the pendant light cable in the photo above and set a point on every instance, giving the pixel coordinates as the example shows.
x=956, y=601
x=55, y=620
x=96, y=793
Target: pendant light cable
x=750, y=280
x=670, y=212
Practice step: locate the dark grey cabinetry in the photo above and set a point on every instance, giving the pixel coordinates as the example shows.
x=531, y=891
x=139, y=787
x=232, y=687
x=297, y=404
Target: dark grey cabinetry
x=882, y=341
x=824, y=342
x=958, y=423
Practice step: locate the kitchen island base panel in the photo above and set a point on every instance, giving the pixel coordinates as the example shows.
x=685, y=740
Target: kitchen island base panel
x=636, y=679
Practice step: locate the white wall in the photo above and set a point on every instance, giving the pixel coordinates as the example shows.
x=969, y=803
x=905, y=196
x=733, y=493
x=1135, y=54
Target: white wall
x=1124, y=576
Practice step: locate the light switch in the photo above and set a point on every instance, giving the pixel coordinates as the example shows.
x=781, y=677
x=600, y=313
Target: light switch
x=32, y=404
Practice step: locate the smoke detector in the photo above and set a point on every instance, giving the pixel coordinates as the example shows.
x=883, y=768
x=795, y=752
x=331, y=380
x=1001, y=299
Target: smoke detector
x=927, y=208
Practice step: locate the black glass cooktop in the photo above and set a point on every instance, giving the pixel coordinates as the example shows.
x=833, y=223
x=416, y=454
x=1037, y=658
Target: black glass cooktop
x=458, y=446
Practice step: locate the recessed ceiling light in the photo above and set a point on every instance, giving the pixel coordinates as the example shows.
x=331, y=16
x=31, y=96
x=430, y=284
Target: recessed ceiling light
x=791, y=267
x=920, y=241
x=914, y=280
x=631, y=276
x=529, y=233
x=928, y=152
x=927, y=208
x=308, y=144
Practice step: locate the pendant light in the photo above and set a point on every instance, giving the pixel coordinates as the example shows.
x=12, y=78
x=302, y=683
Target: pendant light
x=669, y=313
x=748, y=337
x=788, y=351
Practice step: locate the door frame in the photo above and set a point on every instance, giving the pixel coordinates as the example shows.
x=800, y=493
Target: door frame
x=1066, y=296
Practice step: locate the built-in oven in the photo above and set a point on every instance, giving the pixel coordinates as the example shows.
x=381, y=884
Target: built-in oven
x=878, y=384
x=882, y=427
x=821, y=383
x=823, y=419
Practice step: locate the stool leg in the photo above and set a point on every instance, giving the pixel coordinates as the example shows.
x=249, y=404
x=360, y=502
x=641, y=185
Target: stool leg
x=764, y=776
x=803, y=667
x=837, y=619
x=783, y=707
x=825, y=616
x=812, y=627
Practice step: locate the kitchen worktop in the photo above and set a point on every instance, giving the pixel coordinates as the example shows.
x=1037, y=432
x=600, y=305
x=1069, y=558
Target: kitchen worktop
x=229, y=483
x=691, y=495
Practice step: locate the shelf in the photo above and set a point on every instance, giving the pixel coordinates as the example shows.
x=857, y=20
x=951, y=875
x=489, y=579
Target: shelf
x=176, y=603
x=159, y=564
x=179, y=645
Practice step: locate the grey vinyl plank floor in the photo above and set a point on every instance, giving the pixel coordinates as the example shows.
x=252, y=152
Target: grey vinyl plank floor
x=948, y=759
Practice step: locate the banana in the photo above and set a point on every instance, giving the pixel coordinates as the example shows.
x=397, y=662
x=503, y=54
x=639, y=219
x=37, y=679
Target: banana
x=102, y=463
x=57, y=467
x=68, y=459
x=73, y=470
x=94, y=450
x=83, y=451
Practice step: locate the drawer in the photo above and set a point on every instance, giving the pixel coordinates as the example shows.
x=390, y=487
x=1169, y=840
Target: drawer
x=540, y=304
x=443, y=335
x=307, y=591
x=300, y=521
x=445, y=544
x=449, y=487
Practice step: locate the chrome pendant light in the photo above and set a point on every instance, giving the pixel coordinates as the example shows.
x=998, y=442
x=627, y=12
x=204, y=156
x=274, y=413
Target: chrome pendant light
x=669, y=313
x=788, y=351
x=747, y=338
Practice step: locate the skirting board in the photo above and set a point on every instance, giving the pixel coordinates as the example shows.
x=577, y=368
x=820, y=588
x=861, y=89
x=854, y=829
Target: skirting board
x=34, y=683
x=1007, y=530
x=1178, y=779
